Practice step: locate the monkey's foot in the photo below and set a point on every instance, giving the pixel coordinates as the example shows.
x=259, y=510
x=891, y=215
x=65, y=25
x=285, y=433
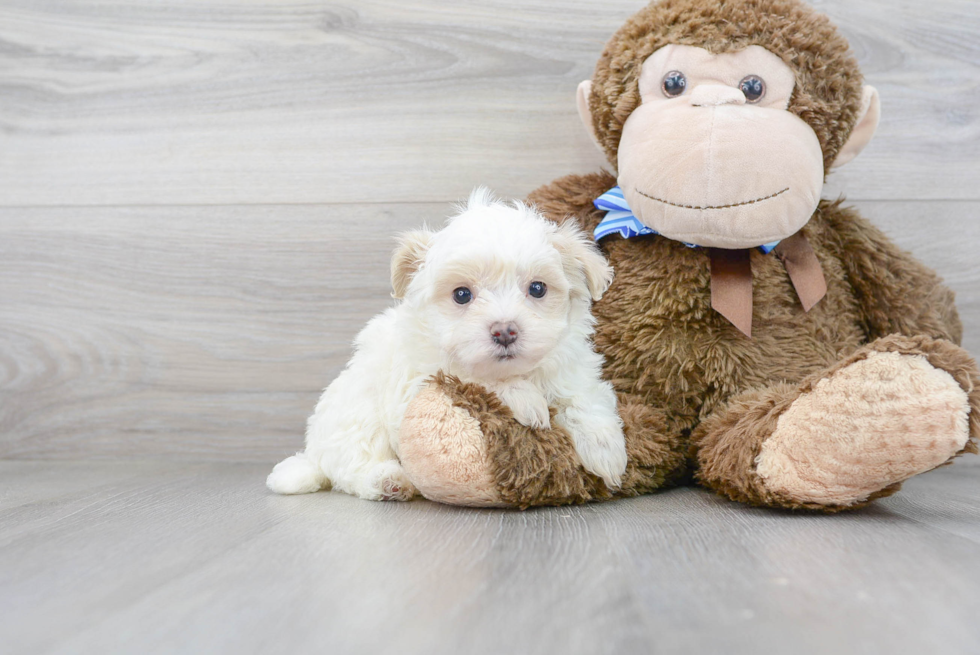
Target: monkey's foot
x=896, y=408
x=443, y=449
x=460, y=445
x=872, y=424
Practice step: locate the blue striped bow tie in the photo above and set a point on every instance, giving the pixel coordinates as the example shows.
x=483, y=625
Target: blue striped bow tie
x=620, y=219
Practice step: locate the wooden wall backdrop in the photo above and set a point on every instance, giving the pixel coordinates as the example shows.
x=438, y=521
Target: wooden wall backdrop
x=197, y=198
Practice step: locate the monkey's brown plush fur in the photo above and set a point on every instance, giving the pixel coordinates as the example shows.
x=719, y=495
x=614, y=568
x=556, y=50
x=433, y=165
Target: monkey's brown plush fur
x=699, y=399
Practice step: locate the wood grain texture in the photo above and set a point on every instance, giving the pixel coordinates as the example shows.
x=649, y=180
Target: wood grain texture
x=194, y=331
x=140, y=102
x=162, y=558
x=208, y=332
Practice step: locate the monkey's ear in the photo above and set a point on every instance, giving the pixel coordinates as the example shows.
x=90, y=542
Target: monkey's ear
x=864, y=129
x=407, y=259
x=585, y=112
x=582, y=258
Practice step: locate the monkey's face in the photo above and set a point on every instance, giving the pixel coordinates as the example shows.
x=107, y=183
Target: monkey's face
x=711, y=156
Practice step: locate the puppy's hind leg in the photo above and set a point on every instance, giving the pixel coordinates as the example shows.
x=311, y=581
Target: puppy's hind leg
x=386, y=481
x=351, y=436
x=296, y=475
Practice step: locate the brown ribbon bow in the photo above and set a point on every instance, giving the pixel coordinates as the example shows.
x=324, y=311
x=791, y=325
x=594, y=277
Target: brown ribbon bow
x=731, y=279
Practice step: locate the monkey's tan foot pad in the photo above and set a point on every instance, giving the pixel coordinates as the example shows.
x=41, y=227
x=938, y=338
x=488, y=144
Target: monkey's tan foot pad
x=870, y=424
x=444, y=452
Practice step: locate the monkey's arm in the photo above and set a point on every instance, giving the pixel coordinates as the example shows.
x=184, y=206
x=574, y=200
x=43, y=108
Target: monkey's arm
x=896, y=293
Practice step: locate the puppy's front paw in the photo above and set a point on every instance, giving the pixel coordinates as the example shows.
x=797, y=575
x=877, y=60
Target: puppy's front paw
x=599, y=442
x=387, y=481
x=533, y=414
x=528, y=405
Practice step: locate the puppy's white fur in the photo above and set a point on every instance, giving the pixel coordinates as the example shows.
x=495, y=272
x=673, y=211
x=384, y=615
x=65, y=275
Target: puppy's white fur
x=496, y=251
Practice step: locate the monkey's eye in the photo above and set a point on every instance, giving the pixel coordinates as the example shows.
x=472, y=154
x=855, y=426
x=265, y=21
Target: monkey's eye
x=674, y=84
x=462, y=295
x=537, y=289
x=753, y=87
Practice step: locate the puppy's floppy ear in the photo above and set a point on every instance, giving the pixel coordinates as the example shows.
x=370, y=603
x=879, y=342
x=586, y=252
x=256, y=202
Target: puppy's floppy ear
x=407, y=259
x=581, y=257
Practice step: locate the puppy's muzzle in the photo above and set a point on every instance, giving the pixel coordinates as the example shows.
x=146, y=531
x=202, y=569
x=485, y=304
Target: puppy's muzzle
x=503, y=334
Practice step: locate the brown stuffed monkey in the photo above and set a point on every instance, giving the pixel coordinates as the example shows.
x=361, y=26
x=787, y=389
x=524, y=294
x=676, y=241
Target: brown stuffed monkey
x=767, y=344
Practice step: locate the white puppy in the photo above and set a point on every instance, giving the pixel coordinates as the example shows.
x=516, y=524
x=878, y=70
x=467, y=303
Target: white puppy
x=500, y=297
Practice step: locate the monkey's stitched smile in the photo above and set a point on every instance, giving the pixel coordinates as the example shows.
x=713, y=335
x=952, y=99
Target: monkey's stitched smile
x=737, y=204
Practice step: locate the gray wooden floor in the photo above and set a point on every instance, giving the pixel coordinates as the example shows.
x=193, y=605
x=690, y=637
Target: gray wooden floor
x=196, y=209
x=147, y=557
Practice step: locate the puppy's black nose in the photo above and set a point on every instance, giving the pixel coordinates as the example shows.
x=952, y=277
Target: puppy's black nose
x=503, y=334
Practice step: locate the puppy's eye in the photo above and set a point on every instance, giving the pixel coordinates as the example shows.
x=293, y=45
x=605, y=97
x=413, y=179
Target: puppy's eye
x=462, y=295
x=674, y=84
x=753, y=87
x=537, y=289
